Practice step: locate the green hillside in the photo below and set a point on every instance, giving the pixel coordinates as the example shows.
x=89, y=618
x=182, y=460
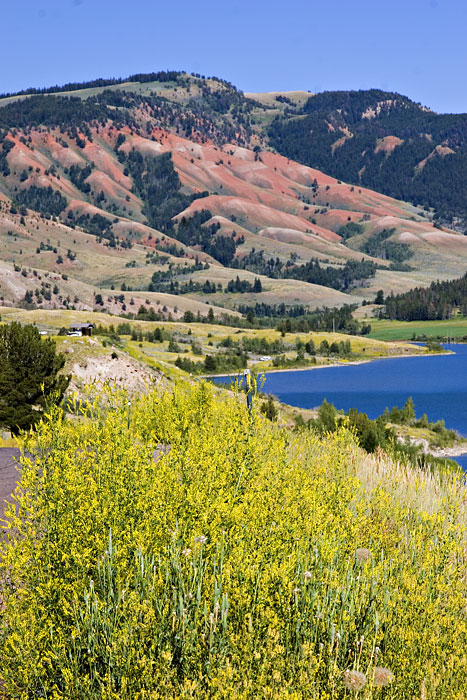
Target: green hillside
x=384, y=141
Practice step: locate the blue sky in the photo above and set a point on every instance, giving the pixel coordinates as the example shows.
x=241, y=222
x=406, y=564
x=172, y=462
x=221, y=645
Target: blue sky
x=415, y=47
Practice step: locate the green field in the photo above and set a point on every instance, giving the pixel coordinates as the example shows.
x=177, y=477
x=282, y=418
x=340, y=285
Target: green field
x=404, y=330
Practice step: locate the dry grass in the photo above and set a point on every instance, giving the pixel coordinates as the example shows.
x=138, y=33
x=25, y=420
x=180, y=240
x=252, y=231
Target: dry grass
x=417, y=488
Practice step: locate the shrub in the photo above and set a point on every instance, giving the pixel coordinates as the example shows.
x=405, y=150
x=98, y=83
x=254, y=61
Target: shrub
x=179, y=547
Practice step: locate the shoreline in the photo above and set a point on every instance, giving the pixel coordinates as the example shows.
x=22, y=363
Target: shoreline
x=459, y=449
x=456, y=450
x=450, y=451
x=332, y=364
x=284, y=369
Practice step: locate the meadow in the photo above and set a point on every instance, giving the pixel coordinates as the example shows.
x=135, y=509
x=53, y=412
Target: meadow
x=179, y=546
x=405, y=330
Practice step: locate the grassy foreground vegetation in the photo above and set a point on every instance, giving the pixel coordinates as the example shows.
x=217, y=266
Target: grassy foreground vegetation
x=179, y=547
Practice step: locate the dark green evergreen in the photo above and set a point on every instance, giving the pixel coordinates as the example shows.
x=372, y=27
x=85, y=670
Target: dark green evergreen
x=268, y=409
x=78, y=176
x=42, y=199
x=29, y=376
x=441, y=300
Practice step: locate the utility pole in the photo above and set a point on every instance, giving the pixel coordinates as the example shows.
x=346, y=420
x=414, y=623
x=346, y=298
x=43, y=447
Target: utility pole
x=249, y=389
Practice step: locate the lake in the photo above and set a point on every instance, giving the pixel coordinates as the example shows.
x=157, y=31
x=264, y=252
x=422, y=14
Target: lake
x=437, y=384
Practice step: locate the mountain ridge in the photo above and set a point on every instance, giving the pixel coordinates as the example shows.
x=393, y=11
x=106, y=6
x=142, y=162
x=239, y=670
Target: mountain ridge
x=182, y=171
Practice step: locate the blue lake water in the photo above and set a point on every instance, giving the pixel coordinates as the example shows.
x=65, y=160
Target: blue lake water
x=437, y=384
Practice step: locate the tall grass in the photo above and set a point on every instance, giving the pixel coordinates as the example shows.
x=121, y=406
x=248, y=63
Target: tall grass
x=180, y=548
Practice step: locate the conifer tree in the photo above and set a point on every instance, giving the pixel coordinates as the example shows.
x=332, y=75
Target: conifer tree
x=29, y=376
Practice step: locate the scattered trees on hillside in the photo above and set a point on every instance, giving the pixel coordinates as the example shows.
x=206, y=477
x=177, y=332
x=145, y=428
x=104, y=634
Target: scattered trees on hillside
x=397, y=172
x=342, y=278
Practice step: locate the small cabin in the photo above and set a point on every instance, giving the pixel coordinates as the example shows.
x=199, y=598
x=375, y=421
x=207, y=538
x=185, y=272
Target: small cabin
x=81, y=329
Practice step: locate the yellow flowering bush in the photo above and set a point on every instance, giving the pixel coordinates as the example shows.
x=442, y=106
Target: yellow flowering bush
x=179, y=547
